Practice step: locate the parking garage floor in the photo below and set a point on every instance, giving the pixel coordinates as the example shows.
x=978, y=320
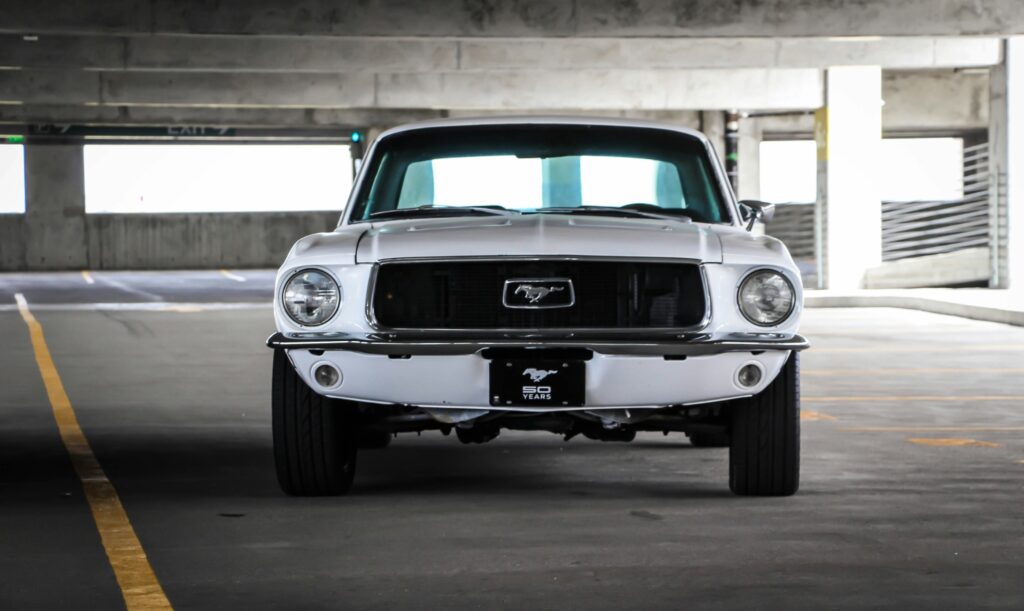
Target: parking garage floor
x=912, y=491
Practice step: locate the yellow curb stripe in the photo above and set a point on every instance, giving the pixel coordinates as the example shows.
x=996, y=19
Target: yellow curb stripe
x=88, y=277
x=812, y=416
x=951, y=442
x=931, y=429
x=135, y=576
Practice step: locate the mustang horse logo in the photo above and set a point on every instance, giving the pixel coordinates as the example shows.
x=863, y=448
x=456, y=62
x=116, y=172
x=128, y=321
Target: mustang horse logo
x=536, y=375
x=534, y=294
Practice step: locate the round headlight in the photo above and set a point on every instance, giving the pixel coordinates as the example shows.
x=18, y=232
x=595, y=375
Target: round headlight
x=311, y=297
x=766, y=298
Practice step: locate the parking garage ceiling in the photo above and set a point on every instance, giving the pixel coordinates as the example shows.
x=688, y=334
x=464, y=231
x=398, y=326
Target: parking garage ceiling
x=382, y=62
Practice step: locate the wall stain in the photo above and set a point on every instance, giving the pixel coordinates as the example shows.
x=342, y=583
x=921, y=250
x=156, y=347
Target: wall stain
x=481, y=13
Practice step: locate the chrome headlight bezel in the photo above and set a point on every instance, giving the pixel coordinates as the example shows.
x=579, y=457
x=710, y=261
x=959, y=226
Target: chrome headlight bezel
x=750, y=276
x=338, y=302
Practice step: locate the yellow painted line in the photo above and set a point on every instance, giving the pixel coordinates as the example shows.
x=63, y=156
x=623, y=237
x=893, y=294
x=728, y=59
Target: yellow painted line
x=135, y=576
x=909, y=371
x=945, y=398
x=231, y=276
x=951, y=442
x=944, y=349
x=932, y=429
x=814, y=416
x=88, y=277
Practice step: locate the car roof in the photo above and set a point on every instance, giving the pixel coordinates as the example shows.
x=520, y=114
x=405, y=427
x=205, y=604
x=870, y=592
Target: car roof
x=542, y=120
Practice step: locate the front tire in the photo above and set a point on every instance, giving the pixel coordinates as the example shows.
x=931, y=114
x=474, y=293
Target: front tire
x=315, y=438
x=764, y=453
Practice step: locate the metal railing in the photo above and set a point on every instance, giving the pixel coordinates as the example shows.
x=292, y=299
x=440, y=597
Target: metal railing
x=794, y=225
x=920, y=228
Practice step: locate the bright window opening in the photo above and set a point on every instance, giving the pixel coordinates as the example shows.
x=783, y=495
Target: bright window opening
x=160, y=178
x=519, y=184
x=928, y=169
x=789, y=171
x=12, y=179
x=470, y=181
x=908, y=169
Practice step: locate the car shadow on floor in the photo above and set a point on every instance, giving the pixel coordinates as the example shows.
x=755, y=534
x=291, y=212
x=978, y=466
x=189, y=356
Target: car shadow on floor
x=182, y=464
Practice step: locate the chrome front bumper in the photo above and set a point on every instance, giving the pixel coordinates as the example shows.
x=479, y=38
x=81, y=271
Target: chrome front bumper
x=694, y=345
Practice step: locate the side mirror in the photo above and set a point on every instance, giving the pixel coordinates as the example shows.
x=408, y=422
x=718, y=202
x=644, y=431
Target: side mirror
x=755, y=210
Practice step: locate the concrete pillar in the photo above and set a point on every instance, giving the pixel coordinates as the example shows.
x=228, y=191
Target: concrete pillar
x=1006, y=159
x=55, y=207
x=848, y=219
x=712, y=123
x=750, y=159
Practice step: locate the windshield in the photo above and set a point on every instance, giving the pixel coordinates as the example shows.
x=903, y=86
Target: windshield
x=541, y=168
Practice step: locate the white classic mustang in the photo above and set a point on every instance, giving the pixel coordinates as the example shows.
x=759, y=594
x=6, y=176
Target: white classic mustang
x=580, y=276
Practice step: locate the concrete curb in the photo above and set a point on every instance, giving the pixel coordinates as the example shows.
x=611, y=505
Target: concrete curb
x=910, y=302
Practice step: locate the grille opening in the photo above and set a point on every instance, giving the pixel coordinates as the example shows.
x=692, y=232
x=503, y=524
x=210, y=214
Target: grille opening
x=452, y=295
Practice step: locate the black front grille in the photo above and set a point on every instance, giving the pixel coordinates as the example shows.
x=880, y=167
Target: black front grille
x=468, y=295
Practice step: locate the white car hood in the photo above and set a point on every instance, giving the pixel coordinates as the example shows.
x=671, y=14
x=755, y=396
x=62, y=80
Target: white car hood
x=539, y=235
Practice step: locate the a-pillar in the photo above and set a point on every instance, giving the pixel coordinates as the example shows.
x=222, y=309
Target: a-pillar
x=848, y=219
x=55, y=235
x=1006, y=171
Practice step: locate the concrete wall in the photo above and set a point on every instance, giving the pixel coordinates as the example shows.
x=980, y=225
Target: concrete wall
x=964, y=267
x=167, y=241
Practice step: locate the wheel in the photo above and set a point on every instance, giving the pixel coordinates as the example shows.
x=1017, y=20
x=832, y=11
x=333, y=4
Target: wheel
x=315, y=438
x=709, y=440
x=764, y=453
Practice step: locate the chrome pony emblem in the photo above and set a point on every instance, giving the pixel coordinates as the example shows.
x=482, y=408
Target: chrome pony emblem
x=533, y=294
x=538, y=293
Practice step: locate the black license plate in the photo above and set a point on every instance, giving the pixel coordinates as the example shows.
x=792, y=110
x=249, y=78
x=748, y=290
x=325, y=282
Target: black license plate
x=538, y=383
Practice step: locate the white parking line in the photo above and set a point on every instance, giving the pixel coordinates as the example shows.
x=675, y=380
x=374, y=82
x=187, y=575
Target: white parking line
x=231, y=276
x=88, y=277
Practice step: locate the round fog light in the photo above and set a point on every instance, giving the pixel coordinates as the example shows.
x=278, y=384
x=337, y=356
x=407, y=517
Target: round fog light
x=327, y=376
x=749, y=375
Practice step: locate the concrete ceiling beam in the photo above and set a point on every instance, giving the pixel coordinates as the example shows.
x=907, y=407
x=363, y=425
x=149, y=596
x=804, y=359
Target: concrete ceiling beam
x=609, y=89
x=347, y=55
x=506, y=90
x=191, y=115
x=539, y=18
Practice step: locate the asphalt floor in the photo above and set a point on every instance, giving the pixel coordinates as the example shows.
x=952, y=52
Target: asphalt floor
x=912, y=492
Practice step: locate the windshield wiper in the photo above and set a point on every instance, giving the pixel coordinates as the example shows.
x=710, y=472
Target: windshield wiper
x=671, y=214
x=441, y=211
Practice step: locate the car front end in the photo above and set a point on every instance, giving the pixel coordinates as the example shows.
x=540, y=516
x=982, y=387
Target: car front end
x=592, y=320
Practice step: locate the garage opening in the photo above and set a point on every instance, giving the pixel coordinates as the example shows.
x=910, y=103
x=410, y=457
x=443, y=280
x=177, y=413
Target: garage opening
x=169, y=178
x=12, y=179
x=908, y=169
